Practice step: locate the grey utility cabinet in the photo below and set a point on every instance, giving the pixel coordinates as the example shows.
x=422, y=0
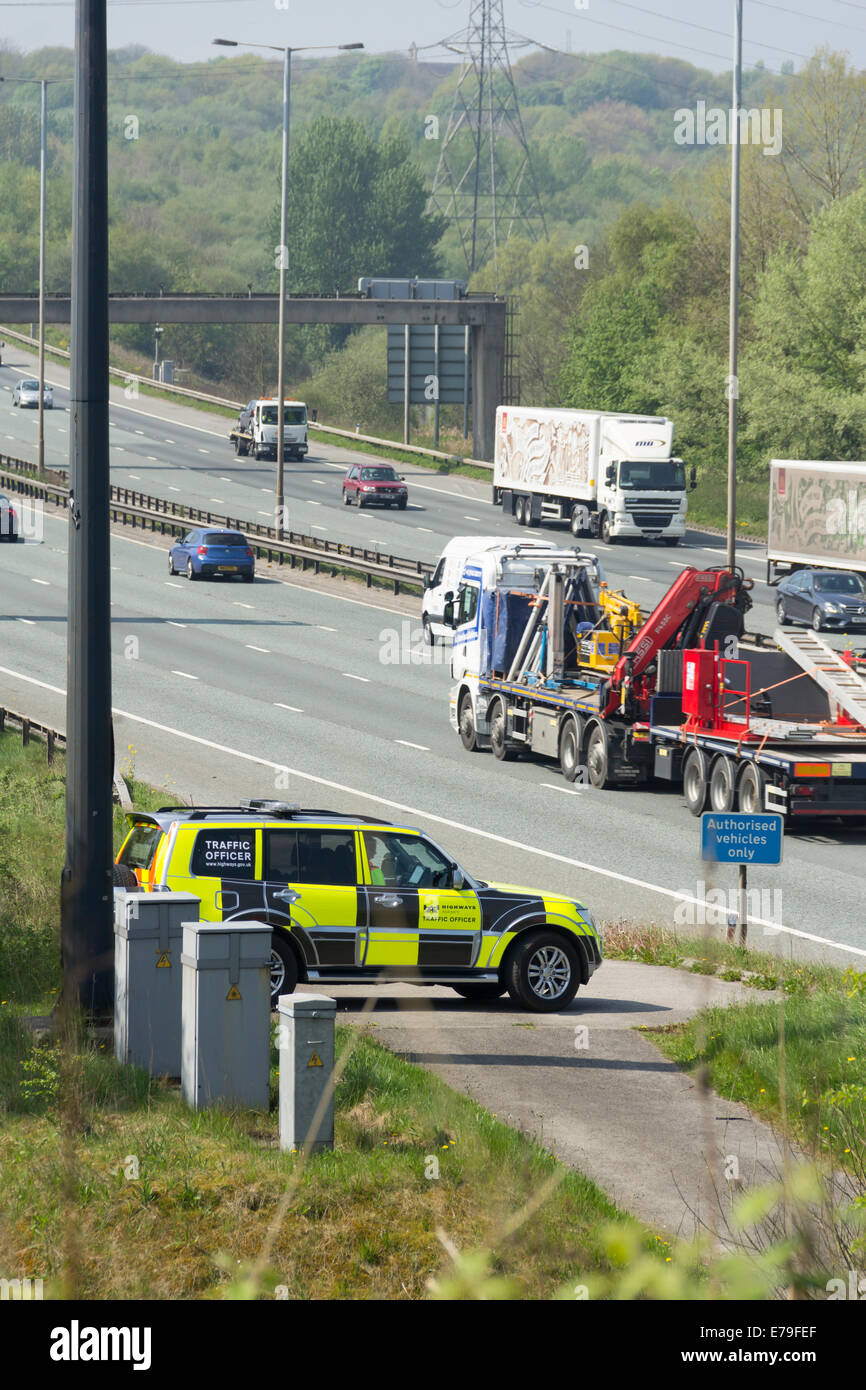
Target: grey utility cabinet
x=148, y=937
x=306, y=1044
x=226, y=1014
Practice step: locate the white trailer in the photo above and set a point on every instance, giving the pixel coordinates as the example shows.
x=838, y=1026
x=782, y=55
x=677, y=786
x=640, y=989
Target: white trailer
x=606, y=474
x=817, y=517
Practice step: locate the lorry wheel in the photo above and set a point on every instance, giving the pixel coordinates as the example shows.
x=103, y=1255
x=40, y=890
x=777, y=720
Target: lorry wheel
x=466, y=724
x=521, y=511
x=723, y=785
x=605, y=529
x=750, y=790
x=671, y=540
x=543, y=972
x=498, y=734
x=570, y=738
x=695, y=781
x=598, y=756
x=782, y=613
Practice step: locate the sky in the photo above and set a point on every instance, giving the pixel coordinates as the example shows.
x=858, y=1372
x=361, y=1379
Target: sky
x=698, y=32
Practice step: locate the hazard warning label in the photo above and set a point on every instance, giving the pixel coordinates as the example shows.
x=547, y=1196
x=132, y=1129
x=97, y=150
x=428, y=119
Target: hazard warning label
x=315, y=1060
x=234, y=993
x=163, y=962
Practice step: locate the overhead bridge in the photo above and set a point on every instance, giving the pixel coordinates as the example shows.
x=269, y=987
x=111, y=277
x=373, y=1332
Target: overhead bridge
x=484, y=315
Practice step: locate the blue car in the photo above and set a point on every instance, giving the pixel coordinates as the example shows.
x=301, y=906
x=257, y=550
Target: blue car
x=204, y=554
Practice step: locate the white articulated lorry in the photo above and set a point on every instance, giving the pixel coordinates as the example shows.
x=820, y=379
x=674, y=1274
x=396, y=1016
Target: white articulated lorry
x=817, y=517
x=606, y=474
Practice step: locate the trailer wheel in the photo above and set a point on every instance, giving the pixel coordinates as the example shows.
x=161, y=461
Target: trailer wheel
x=499, y=735
x=521, y=511
x=598, y=756
x=570, y=740
x=466, y=723
x=695, y=781
x=723, y=785
x=750, y=790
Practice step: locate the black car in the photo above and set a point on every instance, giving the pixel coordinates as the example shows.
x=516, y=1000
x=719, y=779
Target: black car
x=822, y=599
x=8, y=521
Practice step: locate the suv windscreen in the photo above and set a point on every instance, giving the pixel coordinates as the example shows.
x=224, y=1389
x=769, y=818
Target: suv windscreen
x=378, y=475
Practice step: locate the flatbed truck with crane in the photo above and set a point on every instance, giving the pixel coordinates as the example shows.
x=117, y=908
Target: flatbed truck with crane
x=564, y=669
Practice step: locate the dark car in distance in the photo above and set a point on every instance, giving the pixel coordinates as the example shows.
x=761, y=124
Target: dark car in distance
x=820, y=598
x=8, y=520
x=374, y=484
x=209, y=554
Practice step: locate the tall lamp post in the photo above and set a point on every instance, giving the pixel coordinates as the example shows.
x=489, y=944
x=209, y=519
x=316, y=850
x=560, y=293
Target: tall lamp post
x=287, y=86
x=42, y=82
x=733, y=388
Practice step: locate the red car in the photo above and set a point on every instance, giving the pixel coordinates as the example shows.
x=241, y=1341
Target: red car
x=374, y=483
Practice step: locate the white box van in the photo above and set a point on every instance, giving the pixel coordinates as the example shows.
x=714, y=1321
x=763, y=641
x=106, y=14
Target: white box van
x=446, y=576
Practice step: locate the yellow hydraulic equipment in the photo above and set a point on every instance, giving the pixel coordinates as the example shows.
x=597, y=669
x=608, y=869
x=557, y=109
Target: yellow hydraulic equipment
x=602, y=648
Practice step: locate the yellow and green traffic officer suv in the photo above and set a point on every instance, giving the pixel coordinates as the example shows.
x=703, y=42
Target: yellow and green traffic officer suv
x=354, y=899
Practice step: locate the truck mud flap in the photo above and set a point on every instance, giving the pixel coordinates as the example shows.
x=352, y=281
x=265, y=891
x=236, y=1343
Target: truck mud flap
x=535, y=502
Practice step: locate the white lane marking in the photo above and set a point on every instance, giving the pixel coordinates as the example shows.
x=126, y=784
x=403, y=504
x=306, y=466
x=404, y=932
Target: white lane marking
x=320, y=482
x=139, y=431
x=554, y=788
x=226, y=480
x=172, y=623
x=311, y=503
x=118, y=448
x=425, y=528
x=293, y=708
x=217, y=499
x=236, y=603
x=170, y=582
x=266, y=489
x=429, y=815
x=642, y=577
x=322, y=628
x=29, y=621
x=186, y=675
x=135, y=476
x=350, y=677
x=472, y=518
x=173, y=489
x=168, y=441
x=40, y=581
x=264, y=513
x=151, y=458
x=679, y=564
x=204, y=451
x=319, y=528
x=406, y=744
x=264, y=650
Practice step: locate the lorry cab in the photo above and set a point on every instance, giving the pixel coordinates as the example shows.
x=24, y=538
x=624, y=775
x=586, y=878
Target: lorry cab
x=445, y=578
x=264, y=427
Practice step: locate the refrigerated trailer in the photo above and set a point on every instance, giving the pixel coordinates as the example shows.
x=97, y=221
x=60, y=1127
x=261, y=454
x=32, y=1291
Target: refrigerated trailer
x=817, y=517
x=606, y=474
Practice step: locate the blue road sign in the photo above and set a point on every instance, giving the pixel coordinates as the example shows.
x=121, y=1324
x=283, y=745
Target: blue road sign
x=740, y=837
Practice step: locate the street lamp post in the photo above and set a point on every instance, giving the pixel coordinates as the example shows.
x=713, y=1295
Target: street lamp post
x=733, y=388
x=283, y=248
x=43, y=83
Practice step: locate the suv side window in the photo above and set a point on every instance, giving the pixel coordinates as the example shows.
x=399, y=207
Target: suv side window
x=327, y=856
x=281, y=856
x=405, y=861
x=224, y=853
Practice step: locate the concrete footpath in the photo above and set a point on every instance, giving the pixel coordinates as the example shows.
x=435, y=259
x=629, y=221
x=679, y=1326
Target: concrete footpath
x=590, y=1088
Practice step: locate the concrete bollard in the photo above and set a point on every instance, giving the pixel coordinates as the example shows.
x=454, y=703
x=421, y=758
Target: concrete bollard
x=226, y=1013
x=306, y=1045
x=148, y=935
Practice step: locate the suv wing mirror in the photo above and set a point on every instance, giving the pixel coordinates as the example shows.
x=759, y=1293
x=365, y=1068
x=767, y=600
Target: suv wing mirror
x=458, y=878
